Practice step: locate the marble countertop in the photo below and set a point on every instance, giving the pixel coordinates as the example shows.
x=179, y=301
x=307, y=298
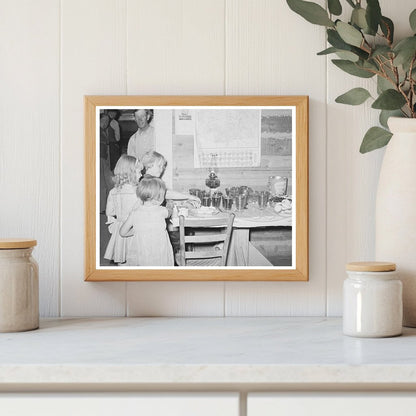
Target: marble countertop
x=204, y=351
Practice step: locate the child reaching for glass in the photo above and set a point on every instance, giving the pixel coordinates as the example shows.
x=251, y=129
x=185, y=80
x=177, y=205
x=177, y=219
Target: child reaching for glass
x=154, y=165
x=120, y=202
x=147, y=224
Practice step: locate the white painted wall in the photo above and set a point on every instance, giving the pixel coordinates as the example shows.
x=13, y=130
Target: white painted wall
x=55, y=52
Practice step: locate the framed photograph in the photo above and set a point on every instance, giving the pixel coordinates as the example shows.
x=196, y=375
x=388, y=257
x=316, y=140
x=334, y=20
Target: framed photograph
x=196, y=188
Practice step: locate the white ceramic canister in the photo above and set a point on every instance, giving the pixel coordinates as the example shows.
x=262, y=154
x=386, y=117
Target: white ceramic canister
x=372, y=300
x=19, y=286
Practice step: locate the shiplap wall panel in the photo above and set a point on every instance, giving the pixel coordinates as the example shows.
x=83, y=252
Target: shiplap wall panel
x=93, y=60
x=175, y=299
x=353, y=177
x=175, y=48
x=29, y=135
x=272, y=51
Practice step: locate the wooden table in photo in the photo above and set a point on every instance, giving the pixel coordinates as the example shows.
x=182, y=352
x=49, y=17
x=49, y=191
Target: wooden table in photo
x=242, y=252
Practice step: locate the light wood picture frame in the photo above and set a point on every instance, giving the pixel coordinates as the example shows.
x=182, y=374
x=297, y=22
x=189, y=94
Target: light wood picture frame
x=250, y=146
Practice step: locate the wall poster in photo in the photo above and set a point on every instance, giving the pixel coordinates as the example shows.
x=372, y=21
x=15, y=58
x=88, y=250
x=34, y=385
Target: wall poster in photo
x=196, y=188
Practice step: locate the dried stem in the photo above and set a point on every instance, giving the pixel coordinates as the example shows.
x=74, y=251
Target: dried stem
x=387, y=37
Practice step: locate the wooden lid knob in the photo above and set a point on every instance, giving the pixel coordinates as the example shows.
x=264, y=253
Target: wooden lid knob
x=11, y=243
x=371, y=266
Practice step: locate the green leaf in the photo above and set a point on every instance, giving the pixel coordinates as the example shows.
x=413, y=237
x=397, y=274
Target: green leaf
x=386, y=114
x=347, y=55
x=334, y=7
x=412, y=20
x=336, y=41
x=387, y=27
x=373, y=15
x=356, y=96
x=358, y=18
x=311, y=12
x=370, y=65
x=405, y=50
x=349, y=34
x=352, y=68
x=375, y=138
x=327, y=51
x=389, y=100
x=383, y=84
x=381, y=50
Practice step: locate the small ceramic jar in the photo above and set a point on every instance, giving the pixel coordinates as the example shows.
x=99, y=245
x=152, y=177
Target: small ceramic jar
x=19, y=286
x=372, y=300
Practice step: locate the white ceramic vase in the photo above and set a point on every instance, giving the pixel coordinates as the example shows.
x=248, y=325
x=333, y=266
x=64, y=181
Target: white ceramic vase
x=396, y=210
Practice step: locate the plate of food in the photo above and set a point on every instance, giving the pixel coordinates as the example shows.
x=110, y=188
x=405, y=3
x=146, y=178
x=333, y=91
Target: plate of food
x=283, y=207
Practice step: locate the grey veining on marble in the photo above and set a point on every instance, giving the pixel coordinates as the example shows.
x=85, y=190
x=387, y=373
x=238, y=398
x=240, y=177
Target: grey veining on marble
x=203, y=350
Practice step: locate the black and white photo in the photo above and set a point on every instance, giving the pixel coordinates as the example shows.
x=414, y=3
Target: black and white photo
x=203, y=164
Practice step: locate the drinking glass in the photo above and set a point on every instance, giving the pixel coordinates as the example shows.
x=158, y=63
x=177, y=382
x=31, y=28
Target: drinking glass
x=263, y=198
x=240, y=202
x=216, y=199
x=227, y=202
x=206, y=201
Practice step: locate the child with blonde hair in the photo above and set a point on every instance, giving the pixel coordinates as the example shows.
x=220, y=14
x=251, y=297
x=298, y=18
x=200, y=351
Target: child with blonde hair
x=120, y=202
x=147, y=225
x=154, y=165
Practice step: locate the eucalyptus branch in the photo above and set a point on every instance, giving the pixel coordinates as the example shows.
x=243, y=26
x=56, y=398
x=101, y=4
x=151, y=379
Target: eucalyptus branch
x=371, y=70
x=406, y=97
x=386, y=61
x=368, y=34
x=395, y=71
x=384, y=73
x=389, y=62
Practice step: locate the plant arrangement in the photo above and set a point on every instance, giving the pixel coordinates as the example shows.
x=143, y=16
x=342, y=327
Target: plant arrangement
x=365, y=48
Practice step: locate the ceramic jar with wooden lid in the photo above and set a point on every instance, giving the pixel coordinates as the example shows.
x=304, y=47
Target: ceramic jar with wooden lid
x=372, y=300
x=19, y=286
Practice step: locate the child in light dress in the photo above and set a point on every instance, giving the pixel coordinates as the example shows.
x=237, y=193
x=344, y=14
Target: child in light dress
x=120, y=202
x=154, y=165
x=147, y=225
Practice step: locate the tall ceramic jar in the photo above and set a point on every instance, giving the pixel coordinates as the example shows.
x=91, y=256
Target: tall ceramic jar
x=396, y=210
x=19, y=286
